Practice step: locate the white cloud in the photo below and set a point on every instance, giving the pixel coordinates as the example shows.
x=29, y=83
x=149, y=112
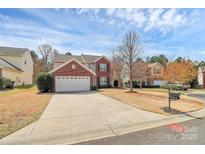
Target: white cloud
x=24, y=33
x=110, y=11
x=4, y=18
x=82, y=11
x=78, y=30
x=132, y=15
x=162, y=20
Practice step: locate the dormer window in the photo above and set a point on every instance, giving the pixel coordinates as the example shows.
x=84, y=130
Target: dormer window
x=73, y=66
x=25, y=62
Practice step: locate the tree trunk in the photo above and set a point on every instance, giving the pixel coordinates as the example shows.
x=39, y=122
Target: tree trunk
x=131, y=85
x=140, y=84
x=46, y=62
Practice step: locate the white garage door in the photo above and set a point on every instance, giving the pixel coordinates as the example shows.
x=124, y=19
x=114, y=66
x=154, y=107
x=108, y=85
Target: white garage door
x=72, y=83
x=158, y=82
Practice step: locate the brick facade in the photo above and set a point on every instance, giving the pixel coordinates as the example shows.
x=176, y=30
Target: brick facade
x=68, y=71
x=82, y=70
x=78, y=71
x=104, y=73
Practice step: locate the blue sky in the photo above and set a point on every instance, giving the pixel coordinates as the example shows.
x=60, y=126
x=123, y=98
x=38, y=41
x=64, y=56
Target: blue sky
x=173, y=32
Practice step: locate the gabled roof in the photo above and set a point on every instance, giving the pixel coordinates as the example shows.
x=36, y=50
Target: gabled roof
x=82, y=58
x=65, y=58
x=153, y=64
x=202, y=68
x=69, y=61
x=6, y=64
x=101, y=58
x=89, y=58
x=11, y=51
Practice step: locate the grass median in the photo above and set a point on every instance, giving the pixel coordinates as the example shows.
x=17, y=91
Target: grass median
x=20, y=107
x=154, y=101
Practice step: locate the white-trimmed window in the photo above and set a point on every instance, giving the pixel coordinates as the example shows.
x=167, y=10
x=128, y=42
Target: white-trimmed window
x=103, y=67
x=103, y=80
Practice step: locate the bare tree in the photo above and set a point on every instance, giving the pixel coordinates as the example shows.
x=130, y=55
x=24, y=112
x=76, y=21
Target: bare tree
x=140, y=71
x=116, y=68
x=47, y=53
x=129, y=52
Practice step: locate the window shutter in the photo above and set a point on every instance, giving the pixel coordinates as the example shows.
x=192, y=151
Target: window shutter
x=98, y=82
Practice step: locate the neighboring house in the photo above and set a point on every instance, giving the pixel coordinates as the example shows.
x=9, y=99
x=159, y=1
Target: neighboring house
x=155, y=74
x=201, y=76
x=16, y=64
x=80, y=73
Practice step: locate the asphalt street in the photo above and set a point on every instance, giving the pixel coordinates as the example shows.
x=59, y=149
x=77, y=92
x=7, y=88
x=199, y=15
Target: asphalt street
x=190, y=132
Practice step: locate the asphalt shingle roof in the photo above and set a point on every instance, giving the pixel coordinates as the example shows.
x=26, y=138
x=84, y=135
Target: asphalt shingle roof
x=82, y=58
x=153, y=64
x=10, y=51
x=6, y=64
x=90, y=58
x=65, y=58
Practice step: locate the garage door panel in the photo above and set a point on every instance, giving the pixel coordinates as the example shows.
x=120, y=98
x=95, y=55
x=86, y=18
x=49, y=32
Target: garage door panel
x=72, y=83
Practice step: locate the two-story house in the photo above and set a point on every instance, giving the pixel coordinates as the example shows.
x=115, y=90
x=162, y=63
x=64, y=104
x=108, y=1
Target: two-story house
x=16, y=64
x=80, y=73
x=155, y=74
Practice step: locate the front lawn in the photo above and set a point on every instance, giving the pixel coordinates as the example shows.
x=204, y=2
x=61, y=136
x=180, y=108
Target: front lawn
x=154, y=101
x=20, y=107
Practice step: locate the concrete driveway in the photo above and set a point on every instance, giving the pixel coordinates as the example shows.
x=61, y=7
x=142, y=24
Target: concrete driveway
x=78, y=117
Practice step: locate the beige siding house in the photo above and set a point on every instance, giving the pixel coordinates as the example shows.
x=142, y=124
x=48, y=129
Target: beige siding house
x=16, y=64
x=155, y=77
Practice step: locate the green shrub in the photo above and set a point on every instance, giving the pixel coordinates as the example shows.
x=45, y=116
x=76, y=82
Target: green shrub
x=8, y=83
x=172, y=87
x=45, y=82
x=134, y=83
x=1, y=83
x=104, y=86
x=93, y=87
x=24, y=86
x=147, y=86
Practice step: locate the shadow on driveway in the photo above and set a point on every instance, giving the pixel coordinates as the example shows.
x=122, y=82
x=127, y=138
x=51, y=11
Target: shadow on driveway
x=177, y=112
x=78, y=92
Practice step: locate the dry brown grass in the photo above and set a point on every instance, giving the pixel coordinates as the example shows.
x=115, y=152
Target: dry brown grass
x=154, y=101
x=20, y=107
